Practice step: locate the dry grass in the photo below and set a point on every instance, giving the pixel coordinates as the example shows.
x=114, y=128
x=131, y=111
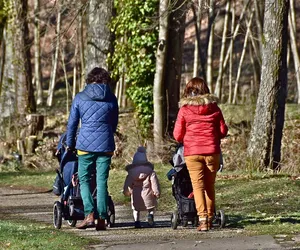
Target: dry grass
x=234, y=147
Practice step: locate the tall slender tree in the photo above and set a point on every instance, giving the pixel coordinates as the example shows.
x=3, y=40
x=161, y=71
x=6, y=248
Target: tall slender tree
x=23, y=58
x=198, y=57
x=99, y=36
x=174, y=63
x=210, y=44
x=56, y=55
x=37, y=54
x=266, y=133
x=294, y=49
x=218, y=88
x=158, y=125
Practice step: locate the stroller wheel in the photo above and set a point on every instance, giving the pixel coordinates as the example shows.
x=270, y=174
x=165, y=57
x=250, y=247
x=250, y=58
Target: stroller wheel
x=72, y=223
x=195, y=221
x=57, y=215
x=220, y=218
x=185, y=222
x=174, y=219
x=111, y=220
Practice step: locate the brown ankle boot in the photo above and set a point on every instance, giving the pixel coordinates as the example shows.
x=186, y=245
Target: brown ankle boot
x=88, y=222
x=100, y=225
x=203, y=225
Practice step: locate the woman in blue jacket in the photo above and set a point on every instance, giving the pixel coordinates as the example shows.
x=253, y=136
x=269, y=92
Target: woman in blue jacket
x=96, y=108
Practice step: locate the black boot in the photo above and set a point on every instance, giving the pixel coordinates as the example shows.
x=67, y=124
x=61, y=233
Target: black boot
x=100, y=224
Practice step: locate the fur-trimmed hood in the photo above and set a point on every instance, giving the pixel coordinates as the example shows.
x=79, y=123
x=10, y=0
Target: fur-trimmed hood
x=198, y=100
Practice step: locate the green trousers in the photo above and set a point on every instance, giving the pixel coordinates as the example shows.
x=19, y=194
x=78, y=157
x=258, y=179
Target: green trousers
x=89, y=164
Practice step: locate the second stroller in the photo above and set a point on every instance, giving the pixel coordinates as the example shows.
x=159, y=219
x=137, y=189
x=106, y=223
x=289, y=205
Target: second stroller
x=182, y=191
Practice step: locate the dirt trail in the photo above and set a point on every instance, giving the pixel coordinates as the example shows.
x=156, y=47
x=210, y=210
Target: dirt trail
x=38, y=206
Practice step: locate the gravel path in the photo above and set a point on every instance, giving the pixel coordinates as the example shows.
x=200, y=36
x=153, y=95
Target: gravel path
x=38, y=206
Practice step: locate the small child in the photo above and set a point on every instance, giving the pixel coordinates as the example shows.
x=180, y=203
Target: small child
x=142, y=185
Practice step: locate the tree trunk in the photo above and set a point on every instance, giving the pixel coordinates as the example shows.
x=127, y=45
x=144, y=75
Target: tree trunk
x=158, y=126
x=75, y=71
x=259, y=11
x=118, y=91
x=55, y=59
x=123, y=89
x=99, y=37
x=9, y=90
x=294, y=49
x=210, y=45
x=234, y=35
x=37, y=54
x=81, y=51
x=24, y=57
x=68, y=89
x=230, y=80
x=2, y=61
x=234, y=101
x=174, y=64
x=266, y=133
x=198, y=60
x=256, y=74
x=218, y=88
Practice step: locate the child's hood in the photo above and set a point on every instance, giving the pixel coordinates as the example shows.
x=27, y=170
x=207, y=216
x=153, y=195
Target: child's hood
x=140, y=172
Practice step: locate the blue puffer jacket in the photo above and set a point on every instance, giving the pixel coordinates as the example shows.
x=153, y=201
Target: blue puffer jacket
x=97, y=109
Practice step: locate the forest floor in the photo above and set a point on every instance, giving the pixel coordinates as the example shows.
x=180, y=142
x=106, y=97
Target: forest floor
x=37, y=206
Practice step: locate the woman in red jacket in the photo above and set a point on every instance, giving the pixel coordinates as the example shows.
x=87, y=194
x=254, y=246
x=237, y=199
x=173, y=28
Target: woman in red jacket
x=200, y=126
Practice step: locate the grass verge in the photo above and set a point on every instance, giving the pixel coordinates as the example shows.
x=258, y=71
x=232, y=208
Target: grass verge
x=25, y=179
x=29, y=235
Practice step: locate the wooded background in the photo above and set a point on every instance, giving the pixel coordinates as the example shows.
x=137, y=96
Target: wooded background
x=247, y=51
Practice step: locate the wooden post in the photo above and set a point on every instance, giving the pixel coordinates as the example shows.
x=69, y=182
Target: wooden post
x=21, y=148
x=35, y=124
x=31, y=144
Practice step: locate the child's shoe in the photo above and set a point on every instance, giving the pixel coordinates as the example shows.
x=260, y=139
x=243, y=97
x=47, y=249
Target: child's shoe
x=137, y=224
x=150, y=220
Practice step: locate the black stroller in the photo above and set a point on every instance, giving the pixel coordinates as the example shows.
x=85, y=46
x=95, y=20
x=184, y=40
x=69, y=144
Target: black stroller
x=183, y=193
x=66, y=185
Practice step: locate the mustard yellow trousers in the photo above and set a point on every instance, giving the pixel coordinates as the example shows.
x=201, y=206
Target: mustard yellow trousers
x=203, y=170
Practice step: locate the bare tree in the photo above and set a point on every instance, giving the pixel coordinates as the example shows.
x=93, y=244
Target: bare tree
x=81, y=43
x=259, y=12
x=197, y=51
x=75, y=71
x=3, y=19
x=174, y=63
x=218, y=88
x=294, y=48
x=234, y=101
x=2, y=61
x=99, y=37
x=210, y=45
x=37, y=53
x=68, y=89
x=158, y=128
x=236, y=32
x=230, y=80
x=56, y=54
x=23, y=58
x=266, y=133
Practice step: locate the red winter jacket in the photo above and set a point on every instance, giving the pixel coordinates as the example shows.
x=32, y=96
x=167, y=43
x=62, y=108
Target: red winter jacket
x=200, y=125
